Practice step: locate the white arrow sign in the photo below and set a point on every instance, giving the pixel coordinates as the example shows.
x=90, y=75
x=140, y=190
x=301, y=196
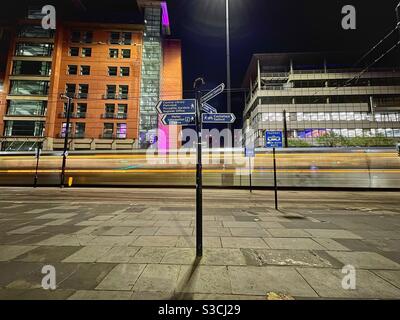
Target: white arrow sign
x=213, y=93
x=208, y=109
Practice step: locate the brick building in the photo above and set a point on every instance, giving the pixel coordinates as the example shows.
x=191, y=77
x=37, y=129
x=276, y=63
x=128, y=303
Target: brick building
x=115, y=74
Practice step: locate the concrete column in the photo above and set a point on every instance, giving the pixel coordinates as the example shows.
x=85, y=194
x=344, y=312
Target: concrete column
x=259, y=74
x=92, y=145
x=251, y=89
x=291, y=66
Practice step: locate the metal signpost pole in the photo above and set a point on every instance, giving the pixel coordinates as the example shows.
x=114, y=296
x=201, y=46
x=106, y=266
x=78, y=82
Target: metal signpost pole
x=38, y=151
x=199, y=181
x=275, y=180
x=64, y=162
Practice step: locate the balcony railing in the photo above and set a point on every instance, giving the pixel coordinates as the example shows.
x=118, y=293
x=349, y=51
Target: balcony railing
x=115, y=96
x=79, y=135
x=114, y=136
x=110, y=115
x=77, y=115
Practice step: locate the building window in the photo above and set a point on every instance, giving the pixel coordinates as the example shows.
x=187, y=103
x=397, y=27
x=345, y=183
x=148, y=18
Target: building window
x=35, y=31
x=111, y=91
x=75, y=36
x=81, y=110
x=124, y=71
x=112, y=71
x=74, y=51
x=70, y=90
x=26, y=108
x=87, y=37
x=83, y=91
x=121, y=130
x=85, y=70
x=34, y=68
x=109, y=111
x=34, y=49
x=122, y=111
x=113, y=53
x=114, y=37
x=64, y=129
x=29, y=87
x=80, y=130
x=108, y=130
x=126, y=53
x=123, y=92
x=24, y=128
x=127, y=38
x=86, y=52
x=72, y=69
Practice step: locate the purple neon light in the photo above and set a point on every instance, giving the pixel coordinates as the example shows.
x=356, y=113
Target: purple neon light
x=165, y=17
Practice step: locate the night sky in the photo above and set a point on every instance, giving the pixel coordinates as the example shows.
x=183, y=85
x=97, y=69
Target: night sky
x=257, y=26
x=261, y=26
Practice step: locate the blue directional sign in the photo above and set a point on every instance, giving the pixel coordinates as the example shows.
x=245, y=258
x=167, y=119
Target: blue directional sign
x=208, y=109
x=178, y=119
x=274, y=139
x=176, y=106
x=218, y=118
x=249, y=152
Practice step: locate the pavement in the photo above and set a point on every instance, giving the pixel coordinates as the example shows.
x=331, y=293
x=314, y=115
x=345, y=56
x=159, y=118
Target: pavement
x=140, y=244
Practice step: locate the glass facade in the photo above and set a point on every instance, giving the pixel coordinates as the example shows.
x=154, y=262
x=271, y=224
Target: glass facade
x=29, y=87
x=26, y=108
x=151, y=67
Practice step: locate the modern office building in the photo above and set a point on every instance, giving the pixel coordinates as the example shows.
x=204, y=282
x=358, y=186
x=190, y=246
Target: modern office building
x=320, y=94
x=114, y=73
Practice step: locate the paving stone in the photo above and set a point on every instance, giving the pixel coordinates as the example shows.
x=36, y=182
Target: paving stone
x=204, y=279
x=293, y=243
x=289, y=233
x=179, y=256
x=249, y=232
x=156, y=241
x=364, y=260
x=262, y=257
x=333, y=234
x=122, y=277
x=331, y=244
x=57, y=216
x=25, y=230
x=141, y=295
x=269, y=225
x=100, y=295
x=145, y=231
x=119, y=255
x=391, y=276
x=48, y=254
x=328, y=284
x=149, y=255
x=66, y=240
x=232, y=242
x=261, y=280
x=81, y=276
x=223, y=257
x=159, y=278
x=88, y=254
x=112, y=240
x=179, y=231
x=216, y=232
x=173, y=223
x=34, y=294
x=101, y=218
x=10, y=252
x=190, y=242
x=237, y=224
x=378, y=234
x=58, y=222
x=118, y=231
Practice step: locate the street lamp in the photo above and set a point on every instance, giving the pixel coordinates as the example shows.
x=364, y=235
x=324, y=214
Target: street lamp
x=66, y=136
x=228, y=63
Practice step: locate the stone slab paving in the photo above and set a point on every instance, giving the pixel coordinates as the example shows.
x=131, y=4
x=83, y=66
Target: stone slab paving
x=119, y=244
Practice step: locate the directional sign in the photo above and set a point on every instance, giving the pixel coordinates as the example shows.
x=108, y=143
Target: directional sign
x=176, y=106
x=274, y=139
x=218, y=118
x=208, y=109
x=178, y=119
x=213, y=93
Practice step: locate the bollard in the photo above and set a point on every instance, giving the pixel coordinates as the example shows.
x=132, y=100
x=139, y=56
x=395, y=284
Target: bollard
x=70, y=181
